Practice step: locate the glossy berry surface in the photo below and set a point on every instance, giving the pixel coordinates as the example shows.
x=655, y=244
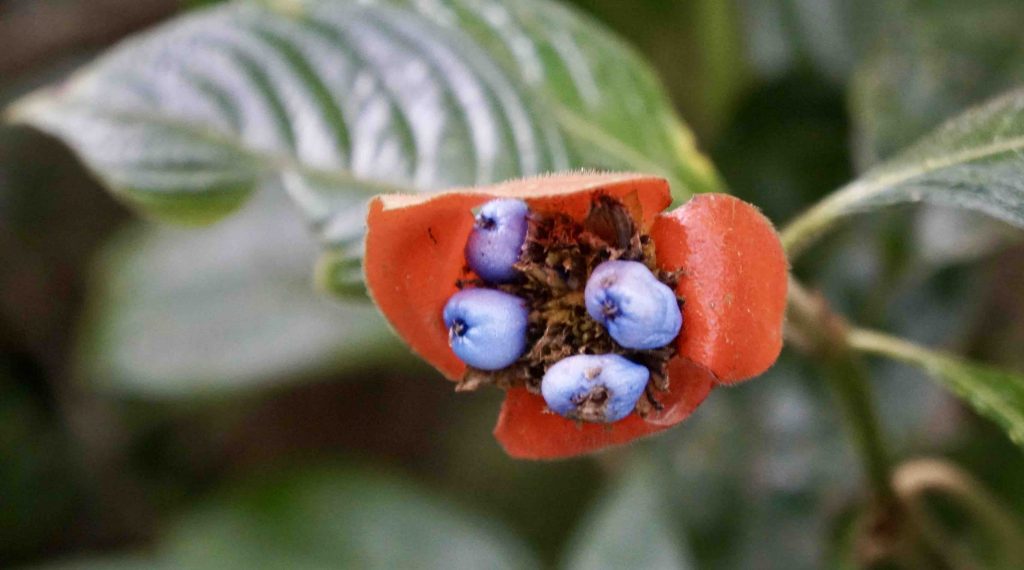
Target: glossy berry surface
x=639, y=311
x=497, y=238
x=594, y=388
x=486, y=328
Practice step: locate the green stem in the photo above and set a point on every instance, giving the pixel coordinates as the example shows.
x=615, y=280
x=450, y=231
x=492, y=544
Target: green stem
x=850, y=382
x=901, y=519
x=803, y=231
x=824, y=334
x=881, y=344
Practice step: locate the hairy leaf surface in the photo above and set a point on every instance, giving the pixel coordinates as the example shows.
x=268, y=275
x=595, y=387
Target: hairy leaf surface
x=974, y=161
x=993, y=393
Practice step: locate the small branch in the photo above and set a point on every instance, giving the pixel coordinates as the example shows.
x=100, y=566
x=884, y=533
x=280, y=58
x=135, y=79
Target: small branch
x=850, y=382
x=803, y=231
x=879, y=343
x=824, y=334
x=900, y=525
x=914, y=480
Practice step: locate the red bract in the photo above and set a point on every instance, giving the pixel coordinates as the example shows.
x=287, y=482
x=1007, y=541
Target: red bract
x=733, y=275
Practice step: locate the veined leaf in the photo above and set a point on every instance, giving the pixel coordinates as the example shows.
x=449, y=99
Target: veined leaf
x=342, y=99
x=926, y=67
x=335, y=100
x=995, y=394
x=975, y=161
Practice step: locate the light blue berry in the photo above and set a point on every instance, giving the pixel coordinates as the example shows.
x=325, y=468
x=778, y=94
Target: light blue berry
x=639, y=311
x=486, y=328
x=594, y=388
x=497, y=239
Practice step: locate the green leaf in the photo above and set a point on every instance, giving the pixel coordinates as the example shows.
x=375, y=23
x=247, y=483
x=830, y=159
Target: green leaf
x=340, y=519
x=342, y=99
x=927, y=66
x=176, y=312
x=630, y=527
x=974, y=161
x=328, y=519
x=995, y=394
x=708, y=32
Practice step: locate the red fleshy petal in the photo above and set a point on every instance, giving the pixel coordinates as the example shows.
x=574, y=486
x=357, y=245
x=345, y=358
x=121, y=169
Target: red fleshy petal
x=733, y=283
x=528, y=431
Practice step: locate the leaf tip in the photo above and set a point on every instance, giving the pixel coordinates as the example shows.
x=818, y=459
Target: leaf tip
x=339, y=276
x=26, y=110
x=702, y=177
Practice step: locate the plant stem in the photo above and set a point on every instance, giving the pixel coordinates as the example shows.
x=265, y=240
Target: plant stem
x=885, y=535
x=823, y=333
x=879, y=343
x=915, y=479
x=850, y=382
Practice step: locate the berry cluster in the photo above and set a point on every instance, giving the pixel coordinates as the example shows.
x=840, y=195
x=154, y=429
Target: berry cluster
x=489, y=327
x=716, y=252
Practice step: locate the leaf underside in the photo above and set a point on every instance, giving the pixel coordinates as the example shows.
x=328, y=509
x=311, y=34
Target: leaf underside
x=974, y=161
x=995, y=394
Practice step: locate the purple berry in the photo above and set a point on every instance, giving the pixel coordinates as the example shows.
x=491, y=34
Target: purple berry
x=497, y=239
x=639, y=311
x=486, y=328
x=594, y=388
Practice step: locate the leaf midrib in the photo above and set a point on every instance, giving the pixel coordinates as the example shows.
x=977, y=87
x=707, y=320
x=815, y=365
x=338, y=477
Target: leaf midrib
x=264, y=163
x=945, y=367
x=273, y=163
x=270, y=163
x=608, y=143
x=870, y=186
x=799, y=233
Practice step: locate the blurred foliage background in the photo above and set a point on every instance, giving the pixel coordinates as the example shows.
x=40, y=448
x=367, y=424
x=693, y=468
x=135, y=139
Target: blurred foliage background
x=178, y=397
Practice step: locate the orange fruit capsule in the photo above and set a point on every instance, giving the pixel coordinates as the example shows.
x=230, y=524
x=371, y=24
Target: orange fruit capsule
x=732, y=276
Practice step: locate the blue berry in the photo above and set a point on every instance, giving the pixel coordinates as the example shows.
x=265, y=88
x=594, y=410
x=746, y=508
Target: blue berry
x=497, y=239
x=486, y=328
x=594, y=388
x=639, y=311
